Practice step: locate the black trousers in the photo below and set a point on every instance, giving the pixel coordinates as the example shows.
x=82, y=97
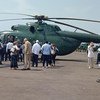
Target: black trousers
x=8, y=54
x=98, y=58
x=35, y=60
x=46, y=59
x=0, y=58
x=53, y=56
x=14, y=61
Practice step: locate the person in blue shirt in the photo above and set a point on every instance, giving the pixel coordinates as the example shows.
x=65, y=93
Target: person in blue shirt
x=46, y=52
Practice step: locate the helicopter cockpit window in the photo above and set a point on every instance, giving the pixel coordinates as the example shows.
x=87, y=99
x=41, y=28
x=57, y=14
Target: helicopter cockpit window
x=13, y=28
x=32, y=29
x=57, y=28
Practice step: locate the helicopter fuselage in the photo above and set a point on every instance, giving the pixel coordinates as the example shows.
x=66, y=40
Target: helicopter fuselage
x=66, y=41
x=43, y=32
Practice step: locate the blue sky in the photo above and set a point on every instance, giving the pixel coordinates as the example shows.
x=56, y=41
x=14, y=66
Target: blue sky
x=88, y=9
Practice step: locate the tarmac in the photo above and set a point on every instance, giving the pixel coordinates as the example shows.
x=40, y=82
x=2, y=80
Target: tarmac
x=70, y=79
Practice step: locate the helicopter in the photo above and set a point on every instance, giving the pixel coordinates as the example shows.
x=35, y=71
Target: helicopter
x=66, y=41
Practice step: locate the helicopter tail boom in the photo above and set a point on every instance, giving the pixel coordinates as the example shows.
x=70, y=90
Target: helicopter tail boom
x=83, y=37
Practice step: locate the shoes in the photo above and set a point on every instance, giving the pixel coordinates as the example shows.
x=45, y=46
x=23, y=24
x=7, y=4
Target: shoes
x=90, y=67
x=28, y=69
x=15, y=68
x=23, y=69
x=53, y=64
x=45, y=67
x=0, y=63
x=98, y=80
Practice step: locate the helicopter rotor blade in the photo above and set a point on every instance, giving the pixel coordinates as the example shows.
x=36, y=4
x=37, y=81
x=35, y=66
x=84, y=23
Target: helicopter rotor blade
x=72, y=26
x=18, y=19
x=45, y=18
x=19, y=14
x=68, y=18
x=78, y=19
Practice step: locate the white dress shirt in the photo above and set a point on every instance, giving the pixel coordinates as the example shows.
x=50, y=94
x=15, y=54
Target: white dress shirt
x=9, y=46
x=36, y=48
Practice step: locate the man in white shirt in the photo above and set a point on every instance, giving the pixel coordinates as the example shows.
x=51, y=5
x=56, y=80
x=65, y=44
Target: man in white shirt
x=14, y=52
x=91, y=55
x=35, y=53
x=8, y=48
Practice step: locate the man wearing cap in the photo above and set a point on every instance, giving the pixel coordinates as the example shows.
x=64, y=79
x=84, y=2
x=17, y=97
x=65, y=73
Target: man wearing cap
x=27, y=54
x=35, y=53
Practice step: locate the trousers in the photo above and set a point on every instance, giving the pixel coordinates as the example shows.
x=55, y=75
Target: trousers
x=27, y=60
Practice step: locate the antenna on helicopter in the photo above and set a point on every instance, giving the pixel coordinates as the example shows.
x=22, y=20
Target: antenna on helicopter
x=75, y=30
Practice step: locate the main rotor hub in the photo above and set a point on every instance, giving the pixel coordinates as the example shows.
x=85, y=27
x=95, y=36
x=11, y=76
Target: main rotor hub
x=41, y=17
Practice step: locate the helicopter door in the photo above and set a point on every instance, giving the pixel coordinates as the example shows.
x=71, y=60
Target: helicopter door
x=11, y=38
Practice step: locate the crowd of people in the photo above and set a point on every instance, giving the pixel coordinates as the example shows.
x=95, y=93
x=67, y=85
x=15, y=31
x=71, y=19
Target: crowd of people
x=29, y=53
x=25, y=51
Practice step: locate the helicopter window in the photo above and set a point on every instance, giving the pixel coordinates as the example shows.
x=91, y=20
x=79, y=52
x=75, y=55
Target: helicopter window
x=13, y=28
x=57, y=28
x=32, y=29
